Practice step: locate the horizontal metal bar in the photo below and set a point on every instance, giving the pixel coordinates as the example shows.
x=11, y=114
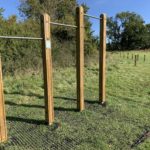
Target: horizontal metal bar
x=94, y=17
x=61, y=24
x=21, y=38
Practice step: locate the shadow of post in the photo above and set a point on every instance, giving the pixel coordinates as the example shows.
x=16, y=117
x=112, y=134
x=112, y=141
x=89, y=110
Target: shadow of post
x=29, y=121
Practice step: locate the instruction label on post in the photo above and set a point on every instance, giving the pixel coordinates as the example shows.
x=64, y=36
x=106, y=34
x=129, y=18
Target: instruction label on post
x=48, y=44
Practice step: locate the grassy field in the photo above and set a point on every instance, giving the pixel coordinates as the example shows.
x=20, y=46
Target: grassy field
x=115, y=127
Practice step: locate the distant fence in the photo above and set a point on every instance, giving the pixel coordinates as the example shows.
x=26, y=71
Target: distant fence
x=134, y=57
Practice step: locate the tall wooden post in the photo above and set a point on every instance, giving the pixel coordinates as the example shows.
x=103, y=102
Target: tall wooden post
x=80, y=57
x=102, y=60
x=47, y=70
x=3, y=127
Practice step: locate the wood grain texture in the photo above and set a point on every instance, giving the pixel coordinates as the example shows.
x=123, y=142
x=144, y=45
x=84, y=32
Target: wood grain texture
x=3, y=127
x=47, y=70
x=80, y=57
x=102, y=60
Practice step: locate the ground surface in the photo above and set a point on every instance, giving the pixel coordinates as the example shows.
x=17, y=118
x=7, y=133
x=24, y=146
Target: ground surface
x=115, y=127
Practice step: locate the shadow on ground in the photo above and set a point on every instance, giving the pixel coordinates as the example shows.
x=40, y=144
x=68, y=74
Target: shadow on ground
x=29, y=121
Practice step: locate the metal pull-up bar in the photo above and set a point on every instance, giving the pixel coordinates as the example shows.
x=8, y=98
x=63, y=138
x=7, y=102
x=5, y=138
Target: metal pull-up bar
x=21, y=38
x=61, y=24
x=94, y=17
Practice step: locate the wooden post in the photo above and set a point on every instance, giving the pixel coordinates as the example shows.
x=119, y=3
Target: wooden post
x=135, y=60
x=127, y=55
x=47, y=70
x=132, y=56
x=123, y=55
x=80, y=57
x=144, y=58
x=137, y=57
x=102, y=60
x=3, y=127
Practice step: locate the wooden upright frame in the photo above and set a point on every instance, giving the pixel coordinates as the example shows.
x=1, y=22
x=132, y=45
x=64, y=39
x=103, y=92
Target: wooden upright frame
x=47, y=70
x=102, y=60
x=80, y=57
x=3, y=126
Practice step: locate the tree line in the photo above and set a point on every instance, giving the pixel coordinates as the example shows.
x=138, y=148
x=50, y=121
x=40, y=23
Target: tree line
x=22, y=55
x=128, y=31
x=125, y=31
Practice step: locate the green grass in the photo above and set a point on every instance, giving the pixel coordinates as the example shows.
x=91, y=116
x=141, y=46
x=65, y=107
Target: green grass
x=114, y=127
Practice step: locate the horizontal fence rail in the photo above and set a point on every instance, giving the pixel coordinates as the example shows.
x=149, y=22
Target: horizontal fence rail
x=21, y=38
x=61, y=24
x=94, y=17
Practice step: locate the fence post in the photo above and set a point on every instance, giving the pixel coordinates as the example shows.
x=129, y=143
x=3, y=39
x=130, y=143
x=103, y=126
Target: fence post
x=123, y=55
x=135, y=60
x=102, y=60
x=80, y=57
x=127, y=55
x=3, y=126
x=144, y=58
x=47, y=70
x=138, y=57
x=132, y=56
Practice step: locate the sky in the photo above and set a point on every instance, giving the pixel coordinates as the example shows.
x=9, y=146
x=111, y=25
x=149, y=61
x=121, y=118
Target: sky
x=10, y=6
x=110, y=7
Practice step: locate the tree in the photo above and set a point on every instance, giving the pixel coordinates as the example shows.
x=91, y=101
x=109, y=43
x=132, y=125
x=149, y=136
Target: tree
x=59, y=11
x=1, y=12
x=146, y=36
x=62, y=11
x=91, y=42
x=113, y=33
x=126, y=31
